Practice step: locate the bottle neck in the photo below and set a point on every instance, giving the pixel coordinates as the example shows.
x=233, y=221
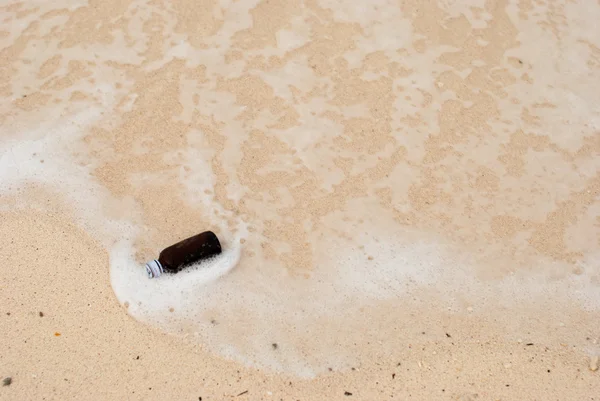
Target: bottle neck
x=154, y=269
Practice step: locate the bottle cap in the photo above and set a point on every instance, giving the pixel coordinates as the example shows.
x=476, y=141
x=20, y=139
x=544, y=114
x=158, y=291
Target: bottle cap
x=154, y=268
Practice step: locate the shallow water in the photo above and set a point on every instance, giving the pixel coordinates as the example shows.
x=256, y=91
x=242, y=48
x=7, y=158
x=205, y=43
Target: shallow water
x=367, y=166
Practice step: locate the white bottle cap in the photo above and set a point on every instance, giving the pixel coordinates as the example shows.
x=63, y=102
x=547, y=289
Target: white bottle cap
x=154, y=268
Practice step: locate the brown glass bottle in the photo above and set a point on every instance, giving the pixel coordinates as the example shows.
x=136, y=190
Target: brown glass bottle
x=176, y=257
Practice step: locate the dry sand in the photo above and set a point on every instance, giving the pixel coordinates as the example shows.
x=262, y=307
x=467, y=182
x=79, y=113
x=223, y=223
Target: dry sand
x=409, y=196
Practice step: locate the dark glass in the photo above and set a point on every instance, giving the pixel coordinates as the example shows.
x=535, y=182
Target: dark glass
x=176, y=257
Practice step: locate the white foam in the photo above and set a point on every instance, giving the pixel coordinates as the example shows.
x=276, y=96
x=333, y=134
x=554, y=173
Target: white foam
x=152, y=299
x=313, y=320
x=240, y=305
x=256, y=306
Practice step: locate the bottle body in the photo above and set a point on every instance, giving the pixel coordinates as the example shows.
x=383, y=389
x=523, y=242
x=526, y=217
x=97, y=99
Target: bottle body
x=177, y=256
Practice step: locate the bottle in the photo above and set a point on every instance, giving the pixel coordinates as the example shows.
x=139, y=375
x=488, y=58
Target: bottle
x=176, y=257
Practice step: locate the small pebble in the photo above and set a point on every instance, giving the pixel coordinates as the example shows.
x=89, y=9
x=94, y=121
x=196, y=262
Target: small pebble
x=594, y=363
x=7, y=381
x=507, y=365
x=469, y=309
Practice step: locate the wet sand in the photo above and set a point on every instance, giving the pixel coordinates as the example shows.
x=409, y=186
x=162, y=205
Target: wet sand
x=409, y=196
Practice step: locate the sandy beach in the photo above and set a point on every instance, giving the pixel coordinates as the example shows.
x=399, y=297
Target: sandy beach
x=407, y=195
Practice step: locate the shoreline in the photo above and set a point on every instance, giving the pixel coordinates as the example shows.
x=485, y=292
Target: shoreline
x=452, y=354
